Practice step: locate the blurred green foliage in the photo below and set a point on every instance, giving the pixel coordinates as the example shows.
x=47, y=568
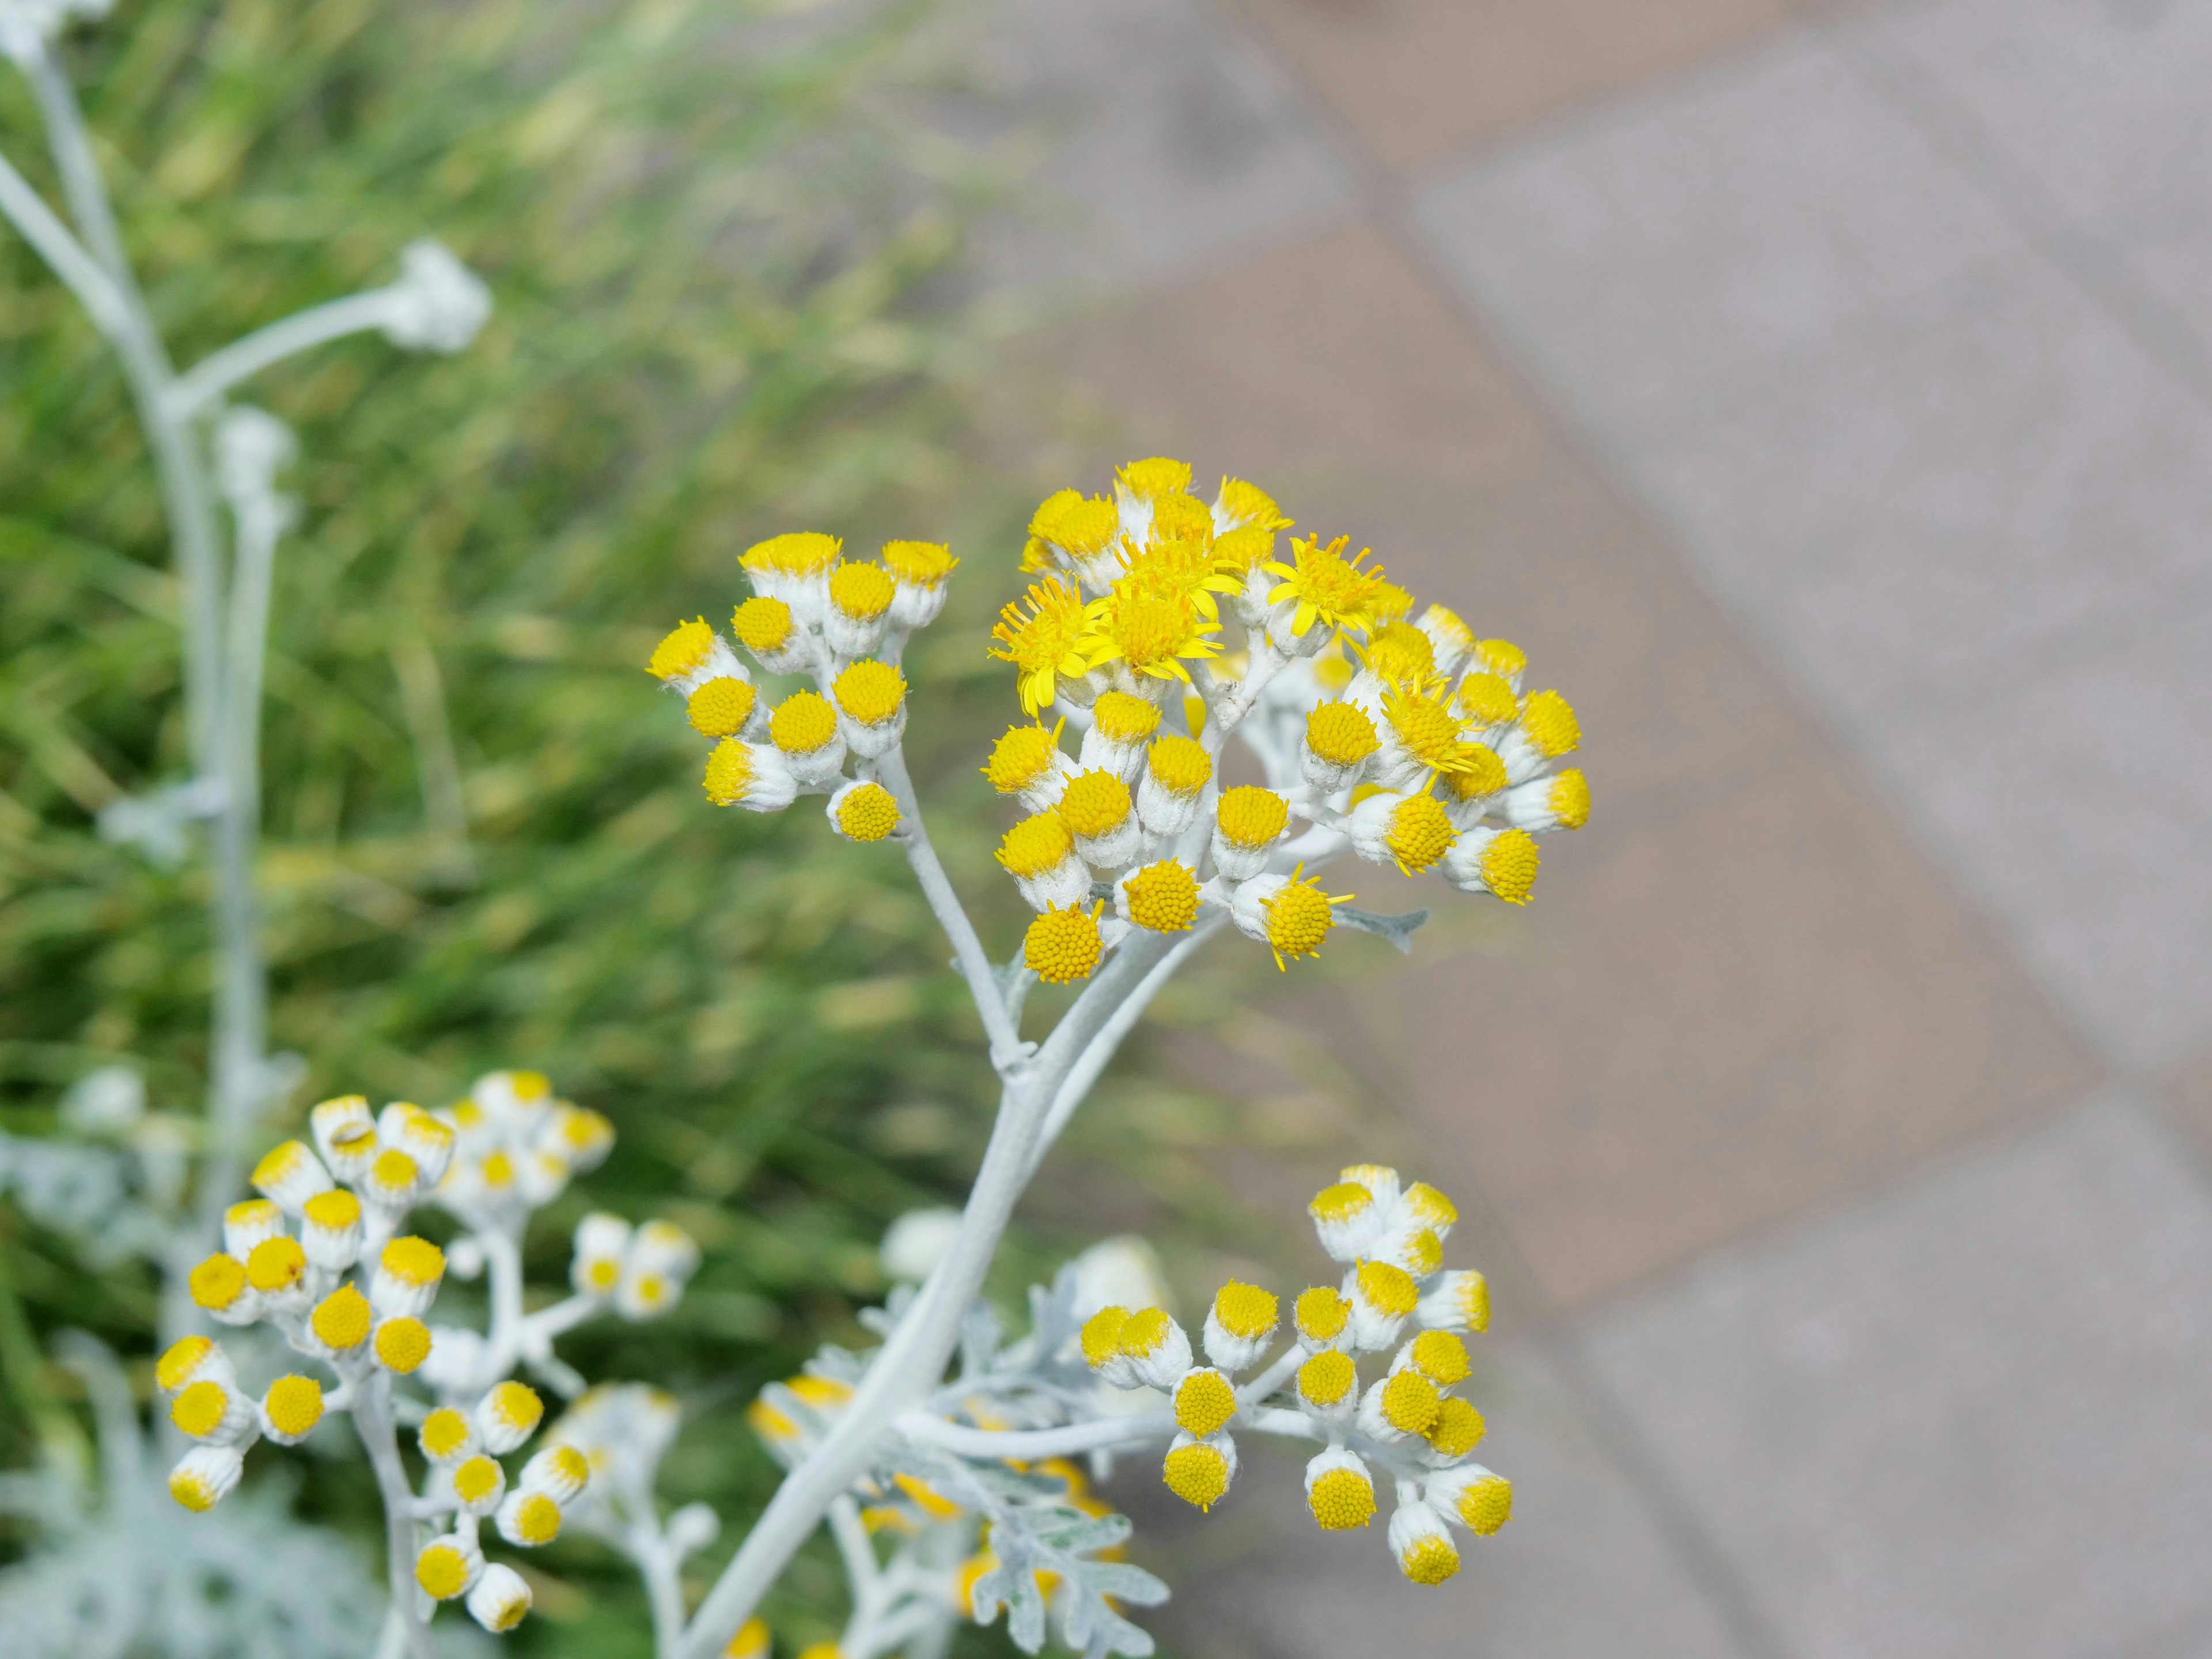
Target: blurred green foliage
x=718, y=245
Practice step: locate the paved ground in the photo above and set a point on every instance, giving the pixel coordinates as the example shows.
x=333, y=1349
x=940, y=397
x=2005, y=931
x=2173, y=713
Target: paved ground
x=1823, y=394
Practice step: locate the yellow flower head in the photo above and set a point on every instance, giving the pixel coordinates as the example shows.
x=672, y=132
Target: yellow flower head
x=683, y=651
x=762, y=624
x=1044, y=641
x=1419, y=833
x=868, y=690
x=720, y=707
x=1182, y=518
x=867, y=813
x=1161, y=896
x=1123, y=719
x=803, y=722
x=1299, y=918
x=1198, y=1473
x=1152, y=625
x=1152, y=478
x=919, y=564
x=1097, y=803
x=1020, y=757
x=1340, y=733
x=1250, y=817
x=1325, y=586
x=1178, y=765
x=797, y=553
x=1241, y=505
x=1400, y=654
x=1428, y=730
x=1038, y=843
x=1062, y=945
x=861, y=591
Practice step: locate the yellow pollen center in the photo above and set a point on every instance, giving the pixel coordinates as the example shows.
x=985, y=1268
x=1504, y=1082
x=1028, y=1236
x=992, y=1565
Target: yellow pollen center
x=752, y=1641
x=1419, y=834
x=1123, y=719
x=1401, y=653
x=1549, y=720
x=184, y=1355
x=444, y=1432
x=1062, y=945
x=1204, y=1401
x=918, y=564
x=442, y=1571
x=536, y=1520
x=279, y=1163
x=803, y=722
x=1476, y=772
x=1327, y=1377
x=1321, y=1312
x=1020, y=756
x=862, y=592
x=1244, y=549
x=870, y=691
x=1471, y=1294
x=1569, y=799
x=516, y=1404
x=1426, y=729
x=1095, y=803
x=1298, y=919
x=497, y=1169
x=1437, y=619
x=253, y=1214
x=333, y=1211
x=1431, y=1560
x=729, y=773
x=1488, y=699
x=1486, y=1504
x=683, y=650
x=402, y=1343
x=341, y=1318
x=1149, y=629
x=1390, y=1291
x=1082, y=524
x=200, y=1409
x=393, y=1171
x=275, y=1264
x=1410, y=1402
x=1102, y=1336
x=477, y=1480
x=295, y=1404
x=190, y=1488
x=1159, y=475
x=720, y=707
x=1180, y=765
x=1509, y=866
x=1346, y=1201
x=1162, y=896
x=1501, y=657
x=1440, y=1356
x=413, y=1260
x=1459, y=1428
x=1340, y=733
x=603, y=1275
x=354, y=1142
x=796, y=553
x=1245, y=1311
x=1181, y=516
x=762, y=624
x=1251, y=817
x=1197, y=1475
x=1342, y=1498
x=1144, y=1331
x=1036, y=845
x=1423, y=1253
x=1425, y=1203
x=868, y=812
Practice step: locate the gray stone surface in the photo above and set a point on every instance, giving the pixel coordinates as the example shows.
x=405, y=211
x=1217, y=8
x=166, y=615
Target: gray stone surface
x=1967, y=1420
x=1581, y=1570
x=1173, y=141
x=1649, y=259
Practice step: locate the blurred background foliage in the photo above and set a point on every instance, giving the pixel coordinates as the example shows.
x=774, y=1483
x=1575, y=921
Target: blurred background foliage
x=720, y=243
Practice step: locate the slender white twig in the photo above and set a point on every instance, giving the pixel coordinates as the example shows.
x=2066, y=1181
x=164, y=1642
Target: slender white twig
x=202, y=384
x=1063, y=1441
x=50, y=241
x=371, y=1420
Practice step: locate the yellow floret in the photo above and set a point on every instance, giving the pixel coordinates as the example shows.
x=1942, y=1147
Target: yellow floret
x=1245, y=548
x=442, y=1571
x=803, y=722
x=1021, y=756
x=1486, y=1504
x=1341, y=1202
x=295, y=1404
x=218, y=1281
x=1500, y=657
x=1062, y=945
x=729, y=773
x=1198, y=1474
x=1036, y=845
x=402, y=1343
x=1569, y=798
x=752, y=1641
x=1459, y=1428
x=1340, y=733
x=932, y=1502
x=1431, y=1560
x=393, y=1170
x=1441, y=1356
x=1159, y=475
x=275, y=1264
x=1400, y=654
x=1162, y=896
x=1243, y=504
x=1102, y=1336
x=477, y=1478
x=762, y=624
x=200, y=1409
x=919, y=564
x=720, y=707
x=183, y=1357
x=1246, y=1310
x=1480, y=774
x=1549, y=720
x=413, y=1260
x=1488, y=699
x=1182, y=518
x=683, y=650
x=1179, y=765
x=1410, y=1402
x=1095, y=804
x=868, y=812
x=444, y=1432
x=536, y=1521
x=1204, y=1401
x=1251, y=817
x=1473, y=1295
x=1145, y=1331
x=278, y=1162
x=1320, y=1314
x=1342, y=1498
x=1124, y=718
x=1299, y=918
x=1509, y=866
x=870, y=691
x=1420, y=833
x=190, y=1488
x=1327, y=1378
x=516, y=1403
x=333, y=1210
x=861, y=591
x=341, y=1318
x=794, y=553
x=1390, y=1291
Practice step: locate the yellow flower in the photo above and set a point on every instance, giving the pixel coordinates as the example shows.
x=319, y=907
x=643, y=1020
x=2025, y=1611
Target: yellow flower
x=1152, y=625
x=1326, y=587
x=1045, y=642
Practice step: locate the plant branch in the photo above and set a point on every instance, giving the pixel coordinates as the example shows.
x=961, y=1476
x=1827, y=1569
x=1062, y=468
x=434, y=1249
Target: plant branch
x=1063, y=1442
x=202, y=384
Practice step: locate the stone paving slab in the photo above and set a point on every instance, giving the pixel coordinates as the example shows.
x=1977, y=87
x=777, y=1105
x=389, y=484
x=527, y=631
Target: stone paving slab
x=1968, y=1420
x=1415, y=80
